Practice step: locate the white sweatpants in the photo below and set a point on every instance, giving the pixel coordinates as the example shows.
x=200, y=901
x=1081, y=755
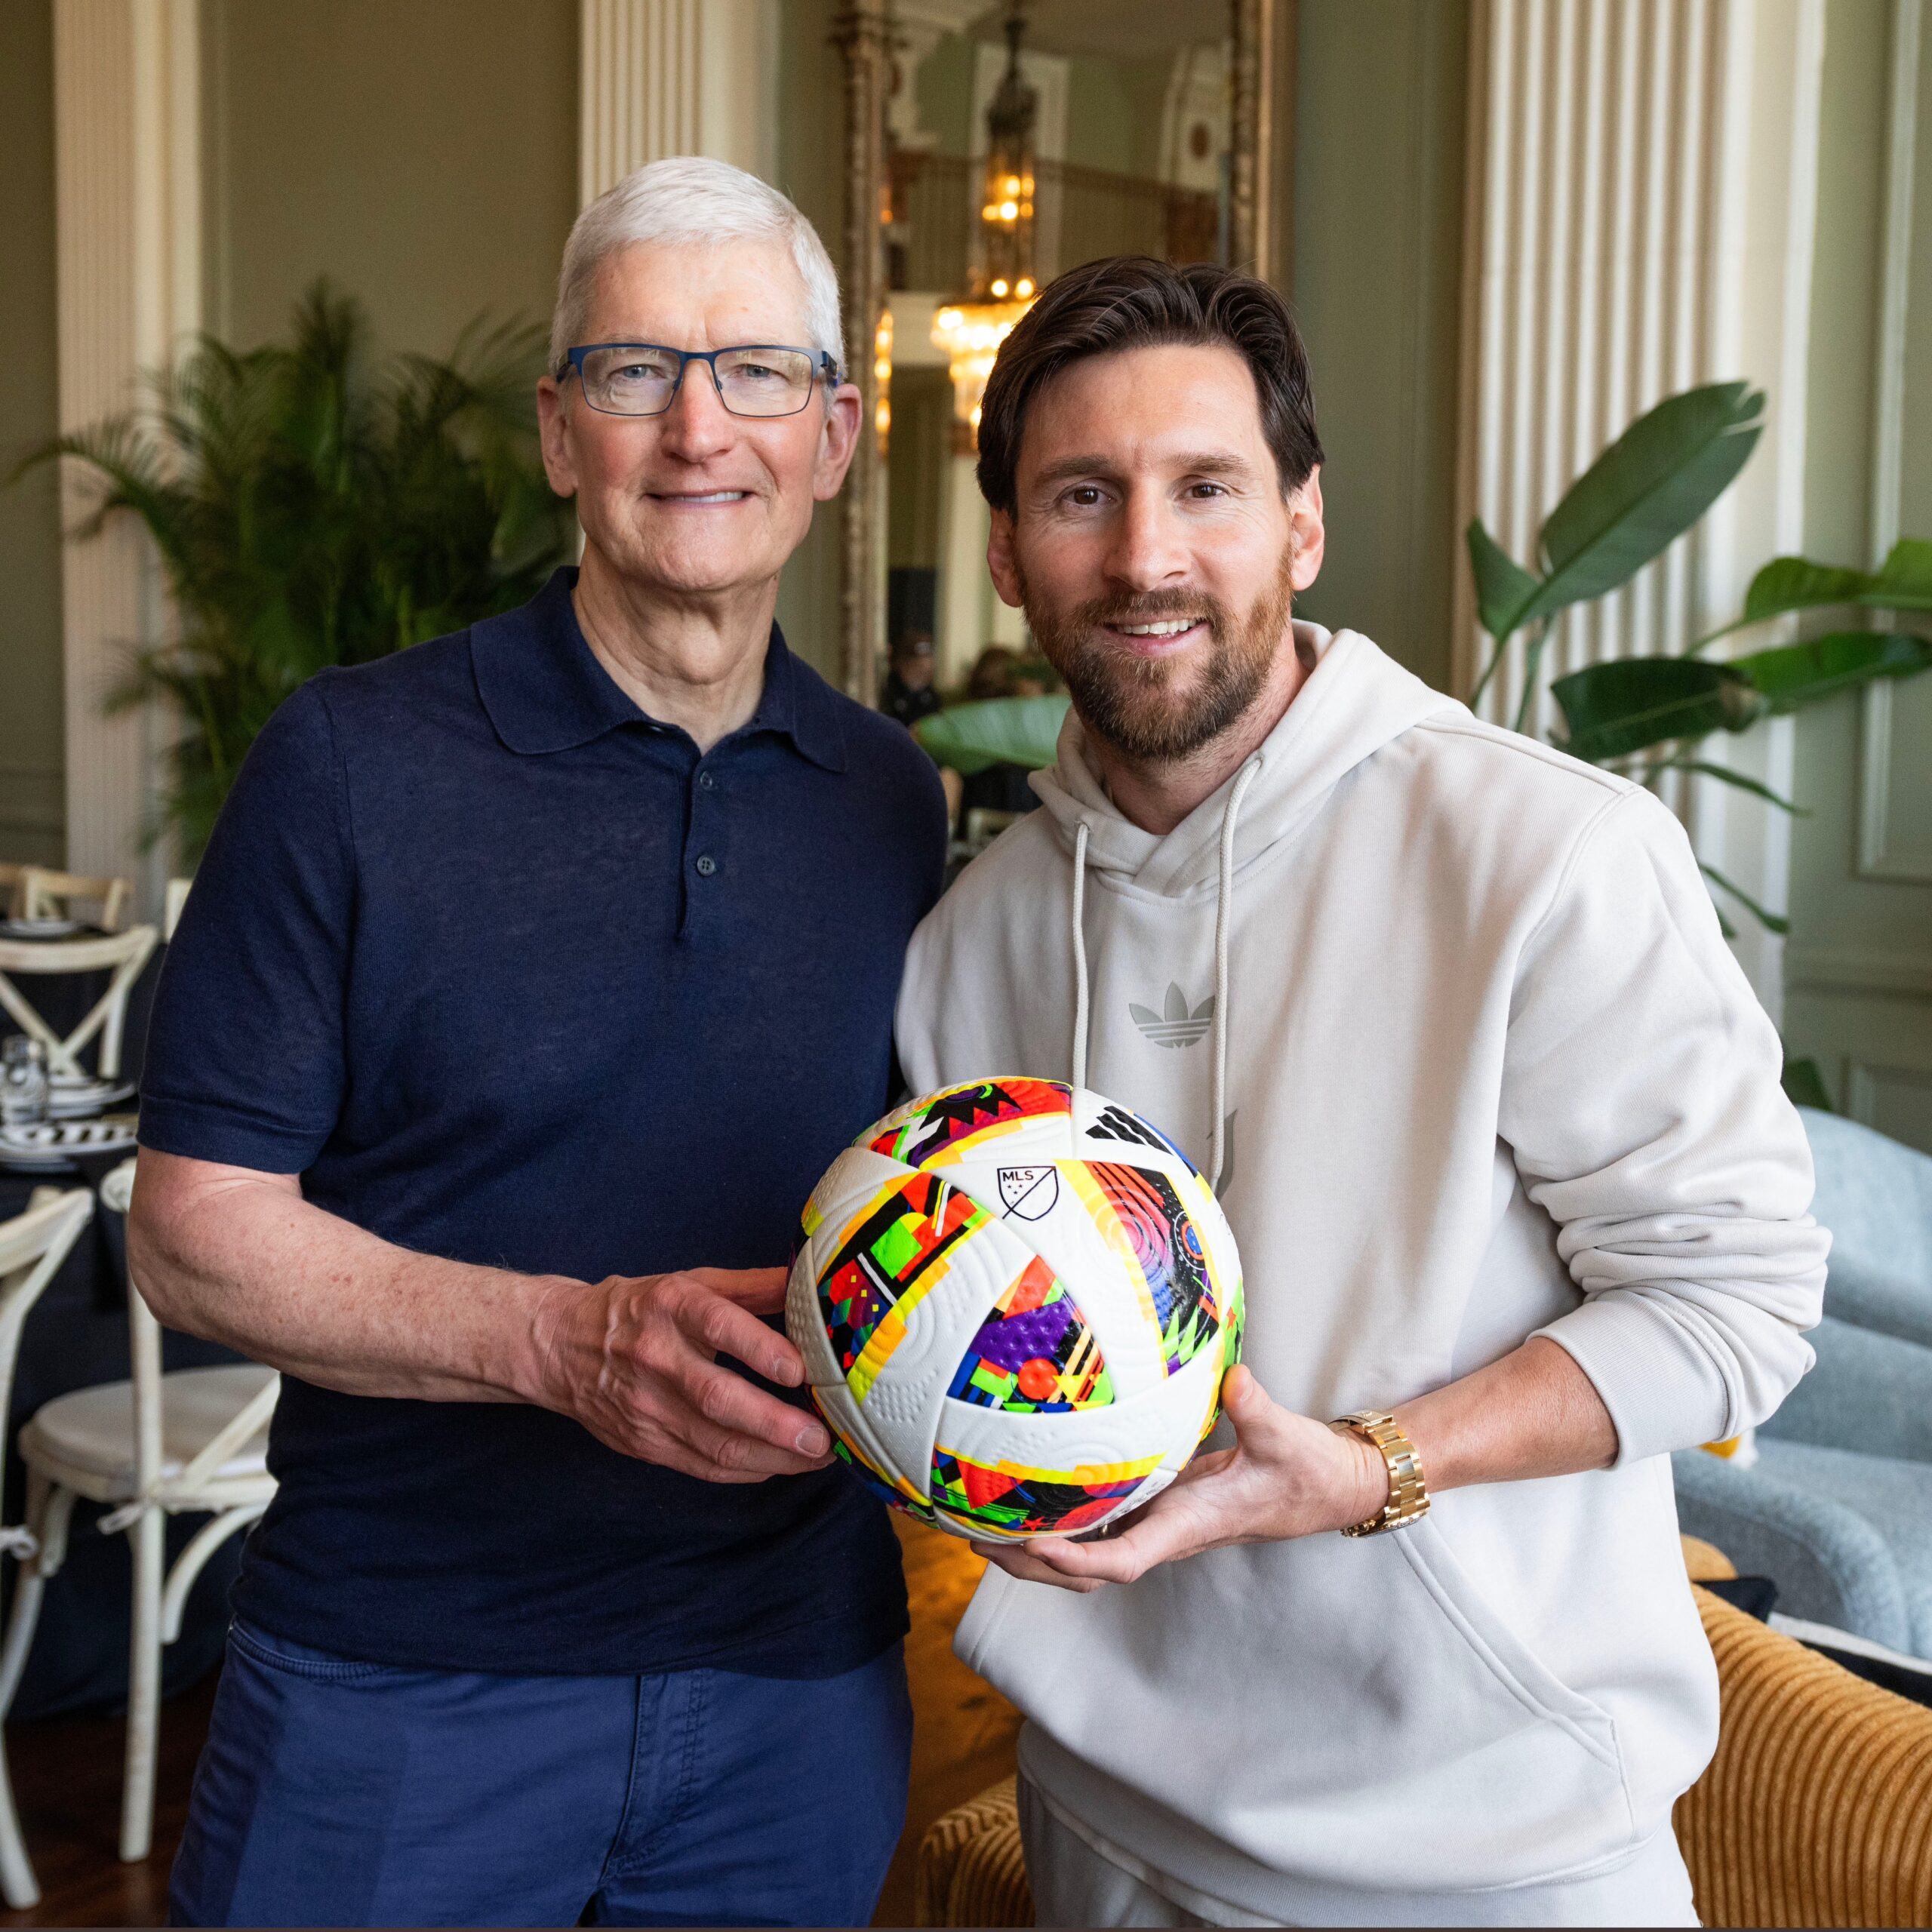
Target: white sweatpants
x=1074, y=1884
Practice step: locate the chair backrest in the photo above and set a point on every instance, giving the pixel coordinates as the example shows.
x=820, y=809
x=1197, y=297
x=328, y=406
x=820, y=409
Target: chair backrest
x=170, y=911
x=1875, y=1194
x=43, y=893
x=33, y=1246
x=123, y=955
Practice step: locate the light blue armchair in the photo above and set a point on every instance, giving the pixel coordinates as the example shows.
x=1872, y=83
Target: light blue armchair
x=1838, y=1507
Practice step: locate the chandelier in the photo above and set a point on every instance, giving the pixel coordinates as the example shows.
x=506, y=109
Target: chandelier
x=1002, y=285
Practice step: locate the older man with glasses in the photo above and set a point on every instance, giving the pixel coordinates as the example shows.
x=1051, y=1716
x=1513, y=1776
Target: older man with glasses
x=531, y=980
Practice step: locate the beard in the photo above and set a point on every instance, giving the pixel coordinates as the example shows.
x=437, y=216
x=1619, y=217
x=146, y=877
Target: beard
x=1158, y=711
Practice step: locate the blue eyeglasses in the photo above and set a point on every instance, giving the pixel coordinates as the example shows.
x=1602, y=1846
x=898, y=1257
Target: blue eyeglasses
x=643, y=378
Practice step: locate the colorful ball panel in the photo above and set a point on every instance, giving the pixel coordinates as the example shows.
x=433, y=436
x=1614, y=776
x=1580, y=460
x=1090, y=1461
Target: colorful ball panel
x=1016, y=1301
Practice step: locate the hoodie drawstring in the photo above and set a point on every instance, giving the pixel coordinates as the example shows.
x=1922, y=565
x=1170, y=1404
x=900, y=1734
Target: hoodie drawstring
x=1079, y=956
x=1223, y=923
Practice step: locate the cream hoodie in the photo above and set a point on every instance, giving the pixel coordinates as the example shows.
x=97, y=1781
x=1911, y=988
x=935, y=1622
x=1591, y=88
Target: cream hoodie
x=1490, y=1071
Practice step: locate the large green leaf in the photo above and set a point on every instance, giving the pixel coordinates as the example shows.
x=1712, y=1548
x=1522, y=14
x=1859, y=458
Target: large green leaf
x=1796, y=583
x=1632, y=703
x=1645, y=490
x=995, y=730
x=1905, y=582
x=1790, y=675
x=1504, y=588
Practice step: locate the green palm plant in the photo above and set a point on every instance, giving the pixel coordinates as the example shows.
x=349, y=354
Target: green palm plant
x=310, y=509
x=1646, y=716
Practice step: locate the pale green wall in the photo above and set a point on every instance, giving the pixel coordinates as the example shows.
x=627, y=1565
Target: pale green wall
x=32, y=813
x=1113, y=112
x=1859, y=964
x=944, y=82
x=1376, y=287
x=811, y=152
x=424, y=155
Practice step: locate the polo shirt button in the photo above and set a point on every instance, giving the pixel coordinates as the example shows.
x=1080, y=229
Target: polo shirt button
x=705, y=781
x=706, y=865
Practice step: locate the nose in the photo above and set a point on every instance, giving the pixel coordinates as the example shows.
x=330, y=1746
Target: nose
x=1150, y=550
x=697, y=425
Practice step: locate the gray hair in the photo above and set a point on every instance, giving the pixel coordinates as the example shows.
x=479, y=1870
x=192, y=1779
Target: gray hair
x=686, y=198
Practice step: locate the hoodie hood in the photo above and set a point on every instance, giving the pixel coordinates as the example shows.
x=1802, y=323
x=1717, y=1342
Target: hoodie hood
x=1354, y=702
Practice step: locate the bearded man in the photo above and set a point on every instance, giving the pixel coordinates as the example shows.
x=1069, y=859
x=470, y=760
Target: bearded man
x=1518, y=1196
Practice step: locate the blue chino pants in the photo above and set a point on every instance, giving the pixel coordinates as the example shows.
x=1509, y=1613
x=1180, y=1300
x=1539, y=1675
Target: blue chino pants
x=333, y=1792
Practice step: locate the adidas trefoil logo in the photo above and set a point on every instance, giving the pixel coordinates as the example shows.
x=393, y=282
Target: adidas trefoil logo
x=1174, y=1027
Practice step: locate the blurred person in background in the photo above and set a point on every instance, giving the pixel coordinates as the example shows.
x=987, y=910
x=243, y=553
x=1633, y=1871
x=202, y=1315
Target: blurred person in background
x=531, y=978
x=910, y=694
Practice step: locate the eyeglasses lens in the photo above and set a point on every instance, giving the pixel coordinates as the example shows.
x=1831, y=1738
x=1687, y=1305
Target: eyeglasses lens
x=751, y=382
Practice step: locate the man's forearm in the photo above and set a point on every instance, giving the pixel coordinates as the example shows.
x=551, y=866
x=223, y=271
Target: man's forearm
x=244, y=1260
x=1532, y=1412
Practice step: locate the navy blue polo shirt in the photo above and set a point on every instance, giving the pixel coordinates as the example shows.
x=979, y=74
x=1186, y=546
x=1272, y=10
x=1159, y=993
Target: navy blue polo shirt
x=507, y=972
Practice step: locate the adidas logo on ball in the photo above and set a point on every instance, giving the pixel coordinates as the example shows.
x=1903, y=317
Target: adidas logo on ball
x=1016, y=1301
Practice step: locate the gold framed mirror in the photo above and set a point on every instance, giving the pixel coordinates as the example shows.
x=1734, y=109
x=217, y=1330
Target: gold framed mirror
x=988, y=145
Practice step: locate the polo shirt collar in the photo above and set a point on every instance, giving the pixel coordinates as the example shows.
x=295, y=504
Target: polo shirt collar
x=545, y=691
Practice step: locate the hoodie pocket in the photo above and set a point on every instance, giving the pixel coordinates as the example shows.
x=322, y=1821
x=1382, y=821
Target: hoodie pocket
x=1503, y=1653
x=1290, y=1700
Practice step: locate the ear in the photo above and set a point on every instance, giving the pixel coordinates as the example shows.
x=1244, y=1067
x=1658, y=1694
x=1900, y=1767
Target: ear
x=1305, y=527
x=557, y=463
x=838, y=438
x=999, y=559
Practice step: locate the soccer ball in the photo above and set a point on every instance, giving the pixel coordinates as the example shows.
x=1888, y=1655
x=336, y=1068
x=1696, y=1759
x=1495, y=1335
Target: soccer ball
x=1016, y=1301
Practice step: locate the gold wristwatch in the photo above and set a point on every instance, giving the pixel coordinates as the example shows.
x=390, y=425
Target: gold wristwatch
x=1408, y=1496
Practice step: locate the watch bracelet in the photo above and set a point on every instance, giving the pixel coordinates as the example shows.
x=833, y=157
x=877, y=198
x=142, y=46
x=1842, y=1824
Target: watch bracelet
x=1408, y=1492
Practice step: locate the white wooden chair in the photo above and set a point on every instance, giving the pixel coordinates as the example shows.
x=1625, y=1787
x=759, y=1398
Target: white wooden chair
x=40, y=892
x=170, y=911
x=194, y=1441
x=122, y=954
x=33, y=1246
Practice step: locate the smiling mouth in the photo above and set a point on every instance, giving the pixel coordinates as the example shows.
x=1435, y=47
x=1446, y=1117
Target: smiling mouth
x=1158, y=637
x=699, y=498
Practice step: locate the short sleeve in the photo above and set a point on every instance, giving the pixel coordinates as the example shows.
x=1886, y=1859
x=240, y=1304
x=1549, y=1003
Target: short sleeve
x=245, y=1061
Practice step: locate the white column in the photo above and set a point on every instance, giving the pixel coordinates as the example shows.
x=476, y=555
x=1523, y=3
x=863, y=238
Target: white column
x=1642, y=195
x=128, y=193
x=668, y=77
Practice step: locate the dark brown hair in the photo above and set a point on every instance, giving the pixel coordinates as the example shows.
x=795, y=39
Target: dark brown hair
x=1135, y=302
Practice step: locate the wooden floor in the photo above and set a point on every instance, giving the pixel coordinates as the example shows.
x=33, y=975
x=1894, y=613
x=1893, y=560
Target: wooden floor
x=66, y=1775
x=67, y=1771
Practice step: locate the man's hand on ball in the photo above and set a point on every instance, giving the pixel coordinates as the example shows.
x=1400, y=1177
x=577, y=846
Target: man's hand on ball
x=1287, y=1476
x=636, y=1361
